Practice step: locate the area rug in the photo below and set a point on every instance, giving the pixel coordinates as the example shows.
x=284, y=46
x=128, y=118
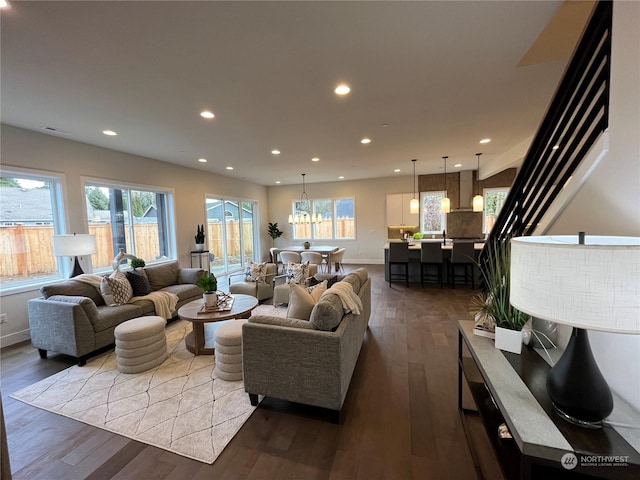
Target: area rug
x=179, y=406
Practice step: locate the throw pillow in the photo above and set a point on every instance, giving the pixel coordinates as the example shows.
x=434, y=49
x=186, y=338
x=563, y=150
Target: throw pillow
x=107, y=294
x=316, y=291
x=120, y=287
x=301, y=302
x=256, y=272
x=314, y=281
x=139, y=284
x=297, y=272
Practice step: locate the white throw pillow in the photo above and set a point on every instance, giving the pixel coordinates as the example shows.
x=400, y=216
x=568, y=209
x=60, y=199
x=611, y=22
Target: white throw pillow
x=120, y=288
x=256, y=272
x=302, y=301
x=297, y=272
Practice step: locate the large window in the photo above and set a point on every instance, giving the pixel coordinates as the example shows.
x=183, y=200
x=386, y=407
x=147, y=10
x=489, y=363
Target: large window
x=493, y=201
x=338, y=219
x=431, y=220
x=134, y=219
x=230, y=233
x=31, y=212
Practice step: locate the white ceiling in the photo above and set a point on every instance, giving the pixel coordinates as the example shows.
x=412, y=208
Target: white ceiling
x=442, y=75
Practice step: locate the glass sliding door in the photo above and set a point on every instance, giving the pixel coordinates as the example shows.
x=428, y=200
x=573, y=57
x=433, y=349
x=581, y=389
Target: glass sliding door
x=230, y=233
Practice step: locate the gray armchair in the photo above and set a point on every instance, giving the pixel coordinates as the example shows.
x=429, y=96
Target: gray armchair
x=261, y=289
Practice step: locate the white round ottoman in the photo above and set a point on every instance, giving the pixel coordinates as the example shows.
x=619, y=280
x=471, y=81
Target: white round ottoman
x=228, y=351
x=141, y=344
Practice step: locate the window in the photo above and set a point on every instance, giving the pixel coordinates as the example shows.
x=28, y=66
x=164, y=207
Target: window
x=230, y=235
x=493, y=201
x=31, y=212
x=338, y=219
x=431, y=220
x=134, y=219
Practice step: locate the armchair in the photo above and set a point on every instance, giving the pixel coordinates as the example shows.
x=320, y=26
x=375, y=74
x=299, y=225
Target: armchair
x=259, y=286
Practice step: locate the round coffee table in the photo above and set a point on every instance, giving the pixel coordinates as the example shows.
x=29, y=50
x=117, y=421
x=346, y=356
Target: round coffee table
x=199, y=337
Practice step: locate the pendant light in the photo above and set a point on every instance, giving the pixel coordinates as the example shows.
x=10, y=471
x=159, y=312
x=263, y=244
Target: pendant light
x=414, y=204
x=478, y=200
x=304, y=217
x=445, y=203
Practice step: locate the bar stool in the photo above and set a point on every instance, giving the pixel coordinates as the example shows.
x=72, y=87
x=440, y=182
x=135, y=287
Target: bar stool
x=399, y=255
x=431, y=256
x=462, y=257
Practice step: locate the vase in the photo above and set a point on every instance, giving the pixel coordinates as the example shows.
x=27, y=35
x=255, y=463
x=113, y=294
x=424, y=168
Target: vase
x=508, y=340
x=307, y=245
x=210, y=299
x=199, y=247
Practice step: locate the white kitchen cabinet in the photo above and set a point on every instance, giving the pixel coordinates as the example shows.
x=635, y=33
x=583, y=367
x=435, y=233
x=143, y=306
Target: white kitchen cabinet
x=398, y=210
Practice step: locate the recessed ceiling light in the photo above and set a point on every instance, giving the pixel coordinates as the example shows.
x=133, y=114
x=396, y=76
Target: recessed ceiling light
x=385, y=125
x=207, y=114
x=111, y=133
x=342, y=89
x=555, y=147
x=340, y=177
x=275, y=152
x=485, y=140
x=315, y=159
x=396, y=170
x=229, y=168
x=277, y=181
x=457, y=165
x=202, y=160
x=365, y=140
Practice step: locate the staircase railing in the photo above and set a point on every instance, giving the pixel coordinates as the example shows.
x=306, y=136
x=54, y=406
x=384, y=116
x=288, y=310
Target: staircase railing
x=575, y=119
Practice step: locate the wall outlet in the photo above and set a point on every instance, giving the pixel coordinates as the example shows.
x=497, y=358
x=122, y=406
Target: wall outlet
x=3, y=318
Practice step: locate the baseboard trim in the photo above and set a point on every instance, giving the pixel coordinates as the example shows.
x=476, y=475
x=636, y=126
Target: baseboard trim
x=13, y=338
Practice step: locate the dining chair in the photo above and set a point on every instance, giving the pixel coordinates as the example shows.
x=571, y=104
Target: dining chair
x=293, y=257
x=336, y=258
x=462, y=260
x=399, y=255
x=314, y=258
x=431, y=258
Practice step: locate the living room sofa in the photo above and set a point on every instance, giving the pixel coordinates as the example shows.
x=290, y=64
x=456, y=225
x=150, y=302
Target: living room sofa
x=301, y=360
x=72, y=317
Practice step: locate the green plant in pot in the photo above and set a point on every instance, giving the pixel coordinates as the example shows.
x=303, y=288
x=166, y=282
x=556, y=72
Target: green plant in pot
x=199, y=237
x=274, y=232
x=209, y=283
x=493, y=304
x=137, y=263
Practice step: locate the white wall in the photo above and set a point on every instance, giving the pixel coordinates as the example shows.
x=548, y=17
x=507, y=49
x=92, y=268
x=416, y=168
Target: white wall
x=609, y=201
x=370, y=202
x=27, y=149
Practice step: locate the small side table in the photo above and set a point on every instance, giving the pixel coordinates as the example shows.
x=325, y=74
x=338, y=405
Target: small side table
x=201, y=259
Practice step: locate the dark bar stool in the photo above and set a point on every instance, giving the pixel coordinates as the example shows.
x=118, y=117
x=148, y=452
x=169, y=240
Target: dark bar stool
x=462, y=260
x=399, y=255
x=430, y=257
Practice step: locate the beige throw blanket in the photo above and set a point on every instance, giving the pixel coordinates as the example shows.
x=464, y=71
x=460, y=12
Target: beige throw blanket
x=350, y=301
x=164, y=303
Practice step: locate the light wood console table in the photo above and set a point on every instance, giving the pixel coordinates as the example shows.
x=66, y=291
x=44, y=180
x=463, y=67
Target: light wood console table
x=511, y=389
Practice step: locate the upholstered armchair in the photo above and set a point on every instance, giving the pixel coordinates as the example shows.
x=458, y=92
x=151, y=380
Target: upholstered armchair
x=256, y=281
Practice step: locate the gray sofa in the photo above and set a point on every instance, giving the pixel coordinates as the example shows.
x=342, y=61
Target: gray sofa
x=72, y=318
x=295, y=360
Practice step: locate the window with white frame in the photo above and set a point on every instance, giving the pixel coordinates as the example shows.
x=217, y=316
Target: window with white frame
x=431, y=220
x=494, y=199
x=338, y=219
x=31, y=212
x=133, y=218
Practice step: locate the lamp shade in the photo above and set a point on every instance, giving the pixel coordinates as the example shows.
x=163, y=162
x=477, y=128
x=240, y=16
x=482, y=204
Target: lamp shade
x=594, y=286
x=74, y=245
x=478, y=203
x=414, y=206
x=445, y=205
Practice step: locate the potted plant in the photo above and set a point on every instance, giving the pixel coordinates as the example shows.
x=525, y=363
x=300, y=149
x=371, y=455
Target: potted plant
x=200, y=238
x=209, y=283
x=137, y=263
x=274, y=232
x=493, y=304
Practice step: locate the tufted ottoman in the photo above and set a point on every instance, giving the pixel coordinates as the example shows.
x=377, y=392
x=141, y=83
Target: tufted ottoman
x=228, y=350
x=141, y=344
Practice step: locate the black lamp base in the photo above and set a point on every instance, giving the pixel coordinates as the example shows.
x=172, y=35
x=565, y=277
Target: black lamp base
x=576, y=387
x=77, y=269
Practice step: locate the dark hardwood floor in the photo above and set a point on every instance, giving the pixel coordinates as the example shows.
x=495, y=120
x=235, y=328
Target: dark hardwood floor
x=400, y=416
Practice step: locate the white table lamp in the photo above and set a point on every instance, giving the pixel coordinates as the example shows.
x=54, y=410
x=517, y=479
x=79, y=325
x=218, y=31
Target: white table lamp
x=589, y=284
x=76, y=245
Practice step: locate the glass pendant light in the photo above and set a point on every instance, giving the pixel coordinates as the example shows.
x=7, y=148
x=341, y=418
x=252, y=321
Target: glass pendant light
x=445, y=203
x=304, y=217
x=478, y=200
x=414, y=204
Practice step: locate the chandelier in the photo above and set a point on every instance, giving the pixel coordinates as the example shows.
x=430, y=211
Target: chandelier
x=301, y=217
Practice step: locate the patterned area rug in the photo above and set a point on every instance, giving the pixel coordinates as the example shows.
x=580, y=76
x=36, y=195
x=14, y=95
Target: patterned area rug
x=179, y=406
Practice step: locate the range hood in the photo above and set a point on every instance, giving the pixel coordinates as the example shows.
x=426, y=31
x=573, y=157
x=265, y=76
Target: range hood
x=465, y=199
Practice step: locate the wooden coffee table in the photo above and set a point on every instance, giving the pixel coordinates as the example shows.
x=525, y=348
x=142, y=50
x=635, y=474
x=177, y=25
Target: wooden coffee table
x=201, y=336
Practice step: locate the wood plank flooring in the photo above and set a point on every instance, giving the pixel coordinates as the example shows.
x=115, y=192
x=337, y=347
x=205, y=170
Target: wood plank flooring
x=400, y=416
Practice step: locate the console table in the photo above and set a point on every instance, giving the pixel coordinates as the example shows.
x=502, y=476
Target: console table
x=511, y=389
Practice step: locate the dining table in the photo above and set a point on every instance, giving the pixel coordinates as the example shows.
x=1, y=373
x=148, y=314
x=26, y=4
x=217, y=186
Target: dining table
x=327, y=250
